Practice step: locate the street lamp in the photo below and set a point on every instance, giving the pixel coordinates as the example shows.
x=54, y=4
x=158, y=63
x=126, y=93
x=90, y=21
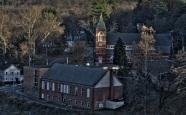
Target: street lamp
x=13, y=78
x=46, y=46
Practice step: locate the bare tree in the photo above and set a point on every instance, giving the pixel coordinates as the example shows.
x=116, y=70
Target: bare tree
x=146, y=45
x=38, y=26
x=50, y=24
x=5, y=32
x=28, y=19
x=80, y=52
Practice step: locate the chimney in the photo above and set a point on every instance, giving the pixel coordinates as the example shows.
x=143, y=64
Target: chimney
x=111, y=84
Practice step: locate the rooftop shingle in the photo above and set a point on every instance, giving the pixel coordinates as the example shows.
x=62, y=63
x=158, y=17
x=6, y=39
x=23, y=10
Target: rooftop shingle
x=74, y=74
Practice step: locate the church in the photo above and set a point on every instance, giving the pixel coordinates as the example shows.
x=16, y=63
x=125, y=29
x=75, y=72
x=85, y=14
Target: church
x=104, y=43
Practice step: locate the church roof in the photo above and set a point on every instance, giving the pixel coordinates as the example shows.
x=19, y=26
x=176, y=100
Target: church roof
x=75, y=74
x=163, y=41
x=101, y=25
x=127, y=38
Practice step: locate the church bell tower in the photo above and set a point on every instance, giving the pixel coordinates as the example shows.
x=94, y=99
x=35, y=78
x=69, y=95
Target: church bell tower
x=100, y=42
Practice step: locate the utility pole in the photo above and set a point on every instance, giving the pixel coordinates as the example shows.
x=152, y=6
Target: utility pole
x=29, y=59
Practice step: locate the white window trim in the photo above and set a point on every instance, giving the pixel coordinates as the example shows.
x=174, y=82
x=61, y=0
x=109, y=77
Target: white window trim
x=88, y=92
x=43, y=85
x=42, y=95
x=62, y=88
x=47, y=85
x=53, y=86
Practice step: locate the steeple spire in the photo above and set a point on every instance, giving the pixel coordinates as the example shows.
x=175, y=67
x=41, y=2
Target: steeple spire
x=101, y=24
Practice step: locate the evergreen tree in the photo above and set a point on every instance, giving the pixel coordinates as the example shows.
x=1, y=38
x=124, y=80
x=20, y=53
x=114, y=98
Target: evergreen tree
x=100, y=7
x=120, y=54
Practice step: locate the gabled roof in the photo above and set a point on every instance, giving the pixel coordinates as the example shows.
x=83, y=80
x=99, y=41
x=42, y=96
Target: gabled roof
x=158, y=67
x=74, y=74
x=6, y=66
x=101, y=25
x=163, y=41
x=127, y=38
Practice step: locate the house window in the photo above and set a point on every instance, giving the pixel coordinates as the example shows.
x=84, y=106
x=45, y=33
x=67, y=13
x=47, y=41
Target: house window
x=100, y=36
x=75, y=102
x=43, y=84
x=81, y=91
x=69, y=89
x=88, y=92
x=59, y=87
x=47, y=85
x=17, y=73
x=62, y=88
x=50, y=87
x=6, y=73
x=53, y=86
x=81, y=103
x=12, y=73
x=76, y=90
x=42, y=95
x=88, y=105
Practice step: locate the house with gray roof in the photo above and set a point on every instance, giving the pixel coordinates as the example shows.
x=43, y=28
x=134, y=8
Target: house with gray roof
x=81, y=87
x=10, y=73
x=160, y=72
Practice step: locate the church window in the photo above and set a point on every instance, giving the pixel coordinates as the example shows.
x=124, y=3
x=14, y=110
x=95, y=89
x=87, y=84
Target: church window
x=100, y=36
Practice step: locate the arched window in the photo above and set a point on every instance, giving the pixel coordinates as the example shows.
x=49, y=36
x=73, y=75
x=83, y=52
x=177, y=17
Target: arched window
x=100, y=36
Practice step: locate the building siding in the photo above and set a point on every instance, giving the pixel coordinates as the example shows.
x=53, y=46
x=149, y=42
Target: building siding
x=59, y=96
x=28, y=84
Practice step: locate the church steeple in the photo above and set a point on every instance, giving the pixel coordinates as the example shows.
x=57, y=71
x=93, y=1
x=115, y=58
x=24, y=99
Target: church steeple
x=101, y=24
x=100, y=46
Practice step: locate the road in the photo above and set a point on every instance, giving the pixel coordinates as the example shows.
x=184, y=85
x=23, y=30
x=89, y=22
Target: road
x=11, y=88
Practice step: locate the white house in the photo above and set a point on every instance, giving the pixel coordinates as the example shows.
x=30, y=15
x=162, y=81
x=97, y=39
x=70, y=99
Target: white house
x=9, y=73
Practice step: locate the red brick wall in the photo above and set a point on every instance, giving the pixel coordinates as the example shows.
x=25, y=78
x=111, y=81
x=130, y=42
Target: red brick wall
x=96, y=95
x=100, y=94
x=71, y=96
x=118, y=92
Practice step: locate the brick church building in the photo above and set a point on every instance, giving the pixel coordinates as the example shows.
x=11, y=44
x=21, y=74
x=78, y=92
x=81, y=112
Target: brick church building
x=104, y=43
